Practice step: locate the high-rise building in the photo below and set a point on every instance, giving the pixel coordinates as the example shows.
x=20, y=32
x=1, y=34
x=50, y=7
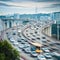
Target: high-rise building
x=56, y=26
x=57, y=17
x=56, y=31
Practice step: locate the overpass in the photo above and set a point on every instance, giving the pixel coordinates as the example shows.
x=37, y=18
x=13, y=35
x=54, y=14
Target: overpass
x=47, y=30
x=11, y=22
x=14, y=22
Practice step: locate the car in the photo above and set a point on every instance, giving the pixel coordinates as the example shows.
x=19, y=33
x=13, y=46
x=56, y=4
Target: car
x=43, y=37
x=27, y=50
x=33, y=48
x=33, y=38
x=22, y=39
x=24, y=42
x=17, y=49
x=9, y=36
x=26, y=30
x=19, y=40
x=28, y=36
x=33, y=54
x=37, y=25
x=56, y=54
x=27, y=45
x=41, y=57
x=44, y=40
x=45, y=49
x=48, y=56
x=51, y=44
x=33, y=35
x=55, y=49
x=32, y=27
x=15, y=43
x=57, y=44
x=21, y=46
x=37, y=28
x=45, y=46
x=14, y=33
x=48, y=40
x=12, y=28
x=38, y=38
x=35, y=32
x=6, y=32
x=12, y=40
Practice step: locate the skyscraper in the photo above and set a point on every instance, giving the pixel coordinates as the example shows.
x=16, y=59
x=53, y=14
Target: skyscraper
x=56, y=27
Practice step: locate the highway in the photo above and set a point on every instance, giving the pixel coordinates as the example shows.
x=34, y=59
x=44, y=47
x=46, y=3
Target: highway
x=28, y=29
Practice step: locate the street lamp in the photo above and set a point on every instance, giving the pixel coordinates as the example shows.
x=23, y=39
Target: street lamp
x=57, y=31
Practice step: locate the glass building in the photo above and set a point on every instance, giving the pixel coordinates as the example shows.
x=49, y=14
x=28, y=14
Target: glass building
x=56, y=31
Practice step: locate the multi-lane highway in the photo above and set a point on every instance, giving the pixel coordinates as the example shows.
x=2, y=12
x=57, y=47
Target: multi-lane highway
x=23, y=36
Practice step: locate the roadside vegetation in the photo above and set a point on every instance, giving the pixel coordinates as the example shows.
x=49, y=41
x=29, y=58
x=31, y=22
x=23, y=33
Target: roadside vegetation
x=7, y=52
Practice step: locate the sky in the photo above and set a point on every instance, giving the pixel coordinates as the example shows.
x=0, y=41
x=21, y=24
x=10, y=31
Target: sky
x=29, y=6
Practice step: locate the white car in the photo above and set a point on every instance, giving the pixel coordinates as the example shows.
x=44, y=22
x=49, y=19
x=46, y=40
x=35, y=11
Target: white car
x=27, y=45
x=27, y=50
x=48, y=56
x=15, y=43
x=55, y=54
x=21, y=46
x=43, y=40
x=41, y=57
x=33, y=54
x=45, y=49
x=9, y=36
x=12, y=40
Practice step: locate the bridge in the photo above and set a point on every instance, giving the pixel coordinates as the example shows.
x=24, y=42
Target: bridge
x=13, y=22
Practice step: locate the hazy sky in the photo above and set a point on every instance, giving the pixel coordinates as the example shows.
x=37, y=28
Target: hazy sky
x=29, y=6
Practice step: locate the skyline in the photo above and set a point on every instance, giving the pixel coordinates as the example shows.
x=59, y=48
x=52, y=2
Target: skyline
x=29, y=6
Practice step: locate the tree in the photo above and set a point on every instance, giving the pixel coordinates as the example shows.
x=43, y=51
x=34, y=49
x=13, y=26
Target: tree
x=2, y=56
x=7, y=52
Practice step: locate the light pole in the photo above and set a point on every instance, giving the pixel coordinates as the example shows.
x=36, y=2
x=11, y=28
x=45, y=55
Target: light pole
x=57, y=31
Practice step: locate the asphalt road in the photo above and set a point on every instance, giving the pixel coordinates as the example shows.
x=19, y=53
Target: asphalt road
x=27, y=56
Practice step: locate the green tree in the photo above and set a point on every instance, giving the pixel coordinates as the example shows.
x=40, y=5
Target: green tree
x=2, y=56
x=7, y=52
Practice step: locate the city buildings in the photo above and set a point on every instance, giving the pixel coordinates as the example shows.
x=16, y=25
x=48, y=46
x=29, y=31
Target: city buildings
x=55, y=31
x=56, y=26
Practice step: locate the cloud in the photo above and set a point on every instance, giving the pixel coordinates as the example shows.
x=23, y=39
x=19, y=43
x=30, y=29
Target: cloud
x=5, y=0
x=2, y=4
x=9, y=4
x=45, y=0
x=9, y=7
x=55, y=5
x=31, y=4
x=32, y=0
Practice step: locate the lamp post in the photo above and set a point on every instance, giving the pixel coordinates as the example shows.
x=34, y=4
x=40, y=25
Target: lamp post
x=57, y=31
